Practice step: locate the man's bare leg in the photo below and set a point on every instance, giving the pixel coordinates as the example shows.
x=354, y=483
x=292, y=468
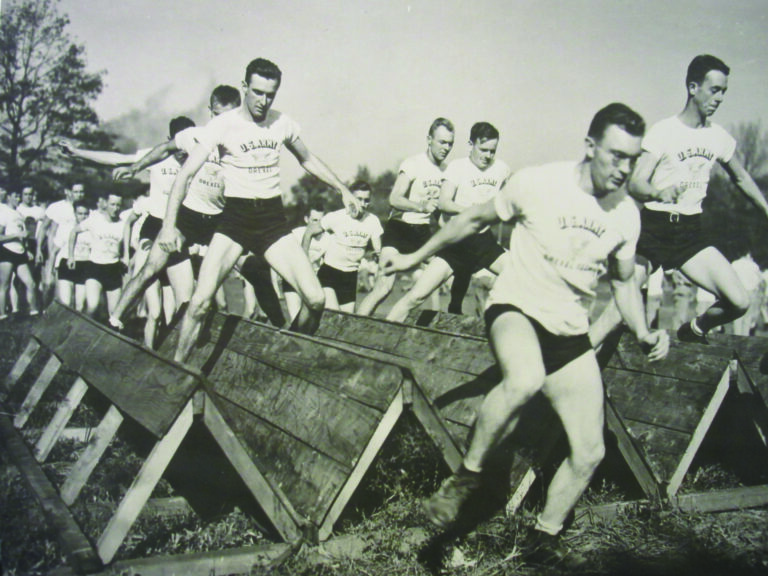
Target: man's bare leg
x=287, y=258
x=436, y=272
x=220, y=258
x=382, y=287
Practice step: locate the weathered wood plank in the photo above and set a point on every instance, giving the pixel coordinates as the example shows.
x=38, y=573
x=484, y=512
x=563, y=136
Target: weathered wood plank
x=308, y=478
x=59, y=421
x=349, y=373
x=75, y=545
x=448, y=443
x=273, y=501
x=447, y=322
x=457, y=395
x=662, y=448
x=141, y=489
x=21, y=365
x=336, y=426
x=685, y=361
x=364, y=331
x=722, y=500
x=663, y=401
x=37, y=390
x=101, y=437
x=387, y=422
x=698, y=435
x=750, y=351
x=464, y=353
x=631, y=449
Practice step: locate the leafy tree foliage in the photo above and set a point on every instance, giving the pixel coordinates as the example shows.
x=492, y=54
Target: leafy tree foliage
x=45, y=93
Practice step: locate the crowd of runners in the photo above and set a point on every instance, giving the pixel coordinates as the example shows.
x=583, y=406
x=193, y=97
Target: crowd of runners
x=630, y=206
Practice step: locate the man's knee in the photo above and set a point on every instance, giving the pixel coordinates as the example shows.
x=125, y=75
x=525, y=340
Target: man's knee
x=588, y=457
x=519, y=387
x=314, y=298
x=199, y=305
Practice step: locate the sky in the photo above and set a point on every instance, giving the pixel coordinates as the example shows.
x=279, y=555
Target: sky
x=365, y=79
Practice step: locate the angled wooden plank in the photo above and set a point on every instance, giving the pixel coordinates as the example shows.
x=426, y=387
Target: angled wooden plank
x=349, y=372
x=21, y=365
x=331, y=423
x=308, y=478
x=447, y=322
x=464, y=353
x=141, y=488
x=723, y=500
x=387, y=422
x=661, y=448
x=642, y=472
x=75, y=546
x=365, y=331
x=685, y=361
x=659, y=400
x=64, y=412
x=271, y=498
x=752, y=354
x=36, y=391
x=698, y=435
x=101, y=436
x=436, y=429
x=456, y=395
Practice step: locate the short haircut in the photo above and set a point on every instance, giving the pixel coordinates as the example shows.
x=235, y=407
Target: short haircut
x=178, y=124
x=483, y=131
x=317, y=204
x=701, y=65
x=360, y=185
x=264, y=68
x=438, y=122
x=79, y=203
x=105, y=193
x=225, y=95
x=616, y=114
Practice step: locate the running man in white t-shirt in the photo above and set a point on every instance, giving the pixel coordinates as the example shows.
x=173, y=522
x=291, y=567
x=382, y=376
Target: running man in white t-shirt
x=348, y=238
x=107, y=260
x=52, y=236
x=575, y=222
x=13, y=254
x=250, y=140
x=467, y=182
x=414, y=199
x=671, y=180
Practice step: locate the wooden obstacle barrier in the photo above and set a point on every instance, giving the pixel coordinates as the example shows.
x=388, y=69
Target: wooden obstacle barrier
x=138, y=384
x=661, y=412
x=300, y=420
x=447, y=322
x=452, y=372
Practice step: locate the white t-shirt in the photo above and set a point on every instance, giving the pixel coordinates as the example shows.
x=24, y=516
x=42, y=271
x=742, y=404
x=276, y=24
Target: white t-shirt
x=560, y=245
x=206, y=191
x=106, y=238
x=425, y=180
x=473, y=185
x=249, y=151
x=161, y=177
x=317, y=245
x=686, y=156
x=62, y=213
x=348, y=238
x=36, y=212
x=12, y=222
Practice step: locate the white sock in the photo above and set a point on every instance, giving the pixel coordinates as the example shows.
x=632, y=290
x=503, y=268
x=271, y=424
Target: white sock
x=550, y=529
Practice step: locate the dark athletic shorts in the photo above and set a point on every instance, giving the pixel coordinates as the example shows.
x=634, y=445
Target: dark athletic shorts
x=13, y=257
x=404, y=237
x=343, y=283
x=79, y=275
x=196, y=227
x=556, y=351
x=254, y=224
x=668, y=239
x=110, y=276
x=473, y=253
x=149, y=231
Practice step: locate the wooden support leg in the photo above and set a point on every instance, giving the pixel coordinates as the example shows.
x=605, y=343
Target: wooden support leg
x=435, y=428
x=21, y=365
x=275, y=504
x=142, y=486
x=54, y=429
x=97, y=445
x=381, y=433
x=36, y=391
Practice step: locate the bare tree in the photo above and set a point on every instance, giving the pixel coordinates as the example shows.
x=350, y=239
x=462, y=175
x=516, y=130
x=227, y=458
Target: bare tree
x=45, y=90
x=752, y=147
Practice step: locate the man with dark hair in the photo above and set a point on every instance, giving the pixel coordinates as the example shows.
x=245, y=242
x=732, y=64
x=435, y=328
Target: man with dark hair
x=467, y=182
x=13, y=254
x=574, y=222
x=251, y=138
x=671, y=181
x=414, y=198
x=348, y=237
